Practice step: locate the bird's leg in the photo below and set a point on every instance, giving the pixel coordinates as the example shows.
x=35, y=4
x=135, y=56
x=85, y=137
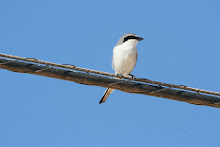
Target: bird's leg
x=119, y=76
x=132, y=76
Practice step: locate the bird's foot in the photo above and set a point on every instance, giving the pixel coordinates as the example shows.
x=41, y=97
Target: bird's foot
x=120, y=76
x=132, y=76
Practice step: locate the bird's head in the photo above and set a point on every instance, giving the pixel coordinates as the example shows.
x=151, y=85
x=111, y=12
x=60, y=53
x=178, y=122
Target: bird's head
x=129, y=38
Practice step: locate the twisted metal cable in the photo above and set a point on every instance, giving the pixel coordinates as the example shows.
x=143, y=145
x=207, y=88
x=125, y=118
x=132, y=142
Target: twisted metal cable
x=72, y=67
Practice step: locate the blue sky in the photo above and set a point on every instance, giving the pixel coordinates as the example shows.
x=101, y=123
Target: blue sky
x=181, y=46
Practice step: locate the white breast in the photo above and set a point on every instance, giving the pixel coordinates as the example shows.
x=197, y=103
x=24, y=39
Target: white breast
x=125, y=57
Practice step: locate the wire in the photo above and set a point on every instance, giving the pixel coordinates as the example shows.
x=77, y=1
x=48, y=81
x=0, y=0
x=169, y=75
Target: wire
x=73, y=67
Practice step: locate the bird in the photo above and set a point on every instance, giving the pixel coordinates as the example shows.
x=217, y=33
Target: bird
x=124, y=58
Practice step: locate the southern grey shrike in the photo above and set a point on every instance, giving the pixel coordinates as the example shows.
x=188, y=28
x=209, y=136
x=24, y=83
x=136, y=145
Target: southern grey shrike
x=124, y=58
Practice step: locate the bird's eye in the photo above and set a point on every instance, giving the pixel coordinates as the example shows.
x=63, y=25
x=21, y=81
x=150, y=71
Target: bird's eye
x=129, y=37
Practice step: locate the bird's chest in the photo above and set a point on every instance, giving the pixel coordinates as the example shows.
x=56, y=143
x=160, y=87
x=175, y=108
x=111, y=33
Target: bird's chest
x=125, y=53
x=124, y=59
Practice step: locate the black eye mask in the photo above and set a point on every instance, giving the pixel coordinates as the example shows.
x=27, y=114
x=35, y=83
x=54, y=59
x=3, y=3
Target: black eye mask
x=130, y=37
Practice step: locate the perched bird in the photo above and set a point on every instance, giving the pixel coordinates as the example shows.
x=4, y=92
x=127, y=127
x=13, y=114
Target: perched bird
x=124, y=58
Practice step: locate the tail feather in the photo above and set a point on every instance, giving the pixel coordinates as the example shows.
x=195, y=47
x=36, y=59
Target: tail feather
x=106, y=94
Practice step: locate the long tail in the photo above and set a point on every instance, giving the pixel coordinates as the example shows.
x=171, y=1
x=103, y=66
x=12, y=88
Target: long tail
x=106, y=94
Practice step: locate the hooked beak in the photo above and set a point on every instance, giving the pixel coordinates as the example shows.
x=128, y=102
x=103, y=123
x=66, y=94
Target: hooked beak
x=140, y=38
